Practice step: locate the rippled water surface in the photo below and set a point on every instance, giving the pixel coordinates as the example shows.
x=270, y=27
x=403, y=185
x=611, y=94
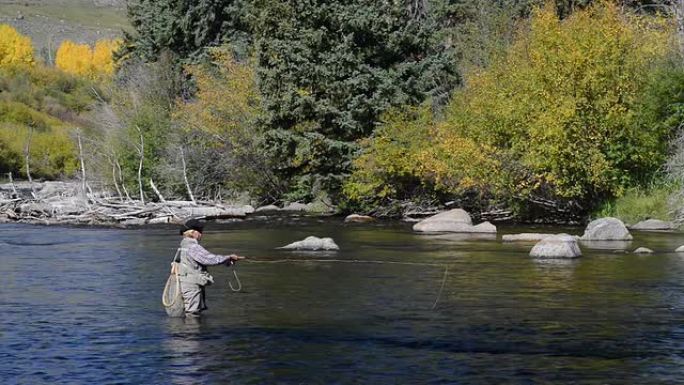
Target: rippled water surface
x=82, y=306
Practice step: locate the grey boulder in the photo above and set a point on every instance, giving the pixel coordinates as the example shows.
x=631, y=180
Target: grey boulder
x=653, y=224
x=557, y=246
x=296, y=206
x=267, y=208
x=643, y=250
x=312, y=243
x=606, y=229
x=356, y=218
x=455, y=221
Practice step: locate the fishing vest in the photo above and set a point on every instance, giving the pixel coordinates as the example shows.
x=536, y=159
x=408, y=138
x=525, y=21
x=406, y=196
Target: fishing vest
x=191, y=271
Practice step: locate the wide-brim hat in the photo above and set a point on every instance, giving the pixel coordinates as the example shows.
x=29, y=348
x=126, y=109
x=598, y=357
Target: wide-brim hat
x=192, y=224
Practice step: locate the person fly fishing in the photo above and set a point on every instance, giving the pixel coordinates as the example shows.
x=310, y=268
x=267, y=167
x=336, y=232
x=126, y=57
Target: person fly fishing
x=192, y=261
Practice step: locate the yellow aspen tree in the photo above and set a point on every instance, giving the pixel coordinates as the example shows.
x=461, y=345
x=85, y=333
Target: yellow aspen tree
x=74, y=58
x=103, y=58
x=15, y=48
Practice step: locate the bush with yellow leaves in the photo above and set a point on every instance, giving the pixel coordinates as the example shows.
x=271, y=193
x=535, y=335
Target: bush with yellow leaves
x=222, y=121
x=79, y=59
x=15, y=48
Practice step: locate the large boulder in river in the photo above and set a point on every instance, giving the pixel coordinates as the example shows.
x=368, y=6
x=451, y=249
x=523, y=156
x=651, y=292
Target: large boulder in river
x=653, y=224
x=312, y=243
x=454, y=221
x=606, y=229
x=643, y=250
x=557, y=246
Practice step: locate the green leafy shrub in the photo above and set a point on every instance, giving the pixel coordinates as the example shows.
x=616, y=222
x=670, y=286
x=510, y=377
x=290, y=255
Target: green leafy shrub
x=640, y=203
x=560, y=120
x=44, y=104
x=389, y=166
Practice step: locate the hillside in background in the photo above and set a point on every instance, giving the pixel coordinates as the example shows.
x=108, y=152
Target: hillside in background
x=49, y=22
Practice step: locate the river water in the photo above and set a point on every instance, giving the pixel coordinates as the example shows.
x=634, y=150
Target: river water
x=82, y=306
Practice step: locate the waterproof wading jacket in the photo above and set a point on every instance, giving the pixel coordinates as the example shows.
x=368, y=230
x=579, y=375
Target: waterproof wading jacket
x=190, y=256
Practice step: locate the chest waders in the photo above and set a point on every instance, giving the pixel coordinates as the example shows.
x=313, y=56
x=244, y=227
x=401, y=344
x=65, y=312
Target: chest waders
x=184, y=290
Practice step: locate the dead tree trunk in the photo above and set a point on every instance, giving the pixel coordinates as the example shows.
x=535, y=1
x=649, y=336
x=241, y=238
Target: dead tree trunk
x=15, y=194
x=27, y=158
x=156, y=191
x=84, y=190
x=185, y=176
x=141, y=151
x=121, y=180
x=116, y=183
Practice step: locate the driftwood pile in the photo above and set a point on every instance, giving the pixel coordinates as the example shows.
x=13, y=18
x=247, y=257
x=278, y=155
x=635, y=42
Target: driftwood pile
x=67, y=203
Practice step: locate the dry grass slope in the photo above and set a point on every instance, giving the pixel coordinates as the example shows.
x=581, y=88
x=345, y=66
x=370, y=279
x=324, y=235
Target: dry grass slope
x=49, y=22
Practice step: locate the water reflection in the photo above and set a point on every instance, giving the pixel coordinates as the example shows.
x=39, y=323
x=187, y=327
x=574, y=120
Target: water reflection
x=607, y=245
x=555, y=273
x=184, y=345
x=459, y=237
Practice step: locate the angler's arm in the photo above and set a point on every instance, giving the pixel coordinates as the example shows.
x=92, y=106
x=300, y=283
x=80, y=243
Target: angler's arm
x=204, y=257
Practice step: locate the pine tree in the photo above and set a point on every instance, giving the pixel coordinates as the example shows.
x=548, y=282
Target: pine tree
x=328, y=70
x=183, y=27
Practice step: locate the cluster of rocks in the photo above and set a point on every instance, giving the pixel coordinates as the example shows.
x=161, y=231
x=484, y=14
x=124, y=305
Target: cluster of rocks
x=599, y=232
x=603, y=232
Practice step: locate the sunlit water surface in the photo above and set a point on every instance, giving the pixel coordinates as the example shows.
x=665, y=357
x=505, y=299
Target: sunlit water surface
x=82, y=306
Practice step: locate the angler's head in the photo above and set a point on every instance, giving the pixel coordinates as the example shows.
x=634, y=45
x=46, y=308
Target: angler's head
x=192, y=228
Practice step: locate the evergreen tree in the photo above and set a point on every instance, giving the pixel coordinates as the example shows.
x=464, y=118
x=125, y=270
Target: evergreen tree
x=328, y=70
x=183, y=27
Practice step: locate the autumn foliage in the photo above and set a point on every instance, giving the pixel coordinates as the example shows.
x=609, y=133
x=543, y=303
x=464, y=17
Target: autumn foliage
x=223, y=118
x=559, y=118
x=15, y=48
x=95, y=63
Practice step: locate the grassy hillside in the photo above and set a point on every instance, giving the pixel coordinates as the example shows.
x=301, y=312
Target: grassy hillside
x=49, y=22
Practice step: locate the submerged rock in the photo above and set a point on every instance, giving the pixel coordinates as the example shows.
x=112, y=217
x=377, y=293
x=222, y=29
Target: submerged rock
x=267, y=208
x=557, y=246
x=643, y=250
x=525, y=237
x=484, y=227
x=653, y=224
x=312, y=243
x=208, y=211
x=160, y=220
x=296, y=206
x=606, y=229
x=455, y=221
x=356, y=218
x=614, y=246
x=134, y=222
